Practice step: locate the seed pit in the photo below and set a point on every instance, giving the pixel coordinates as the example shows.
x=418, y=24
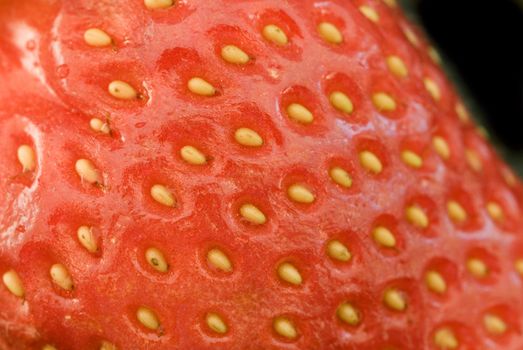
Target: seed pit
x=411, y=159
x=201, y=87
x=384, y=102
x=216, y=323
x=441, y=147
x=330, y=33
x=158, y=4
x=99, y=126
x=87, y=171
x=285, y=328
x=289, y=273
x=370, y=13
x=97, y=38
x=219, y=260
x=233, y=54
x=13, y=283
x=394, y=299
x=416, y=216
x=341, y=102
x=275, y=35
x=61, y=277
x=445, y=339
x=348, y=314
x=300, y=194
x=26, y=157
x=340, y=176
x=87, y=239
x=432, y=88
x=156, y=259
x=494, y=324
x=122, y=90
x=300, y=113
x=147, y=318
x=397, y=66
x=192, y=155
x=248, y=137
x=435, y=282
x=338, y=251
x=370, y=162
x=162, y=195
x=252, y=214
x=384, y=237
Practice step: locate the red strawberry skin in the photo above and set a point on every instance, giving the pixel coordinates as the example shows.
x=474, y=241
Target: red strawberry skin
x=448, y=278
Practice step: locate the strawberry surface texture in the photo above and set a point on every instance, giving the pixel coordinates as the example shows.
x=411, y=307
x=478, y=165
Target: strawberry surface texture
x=235, y=174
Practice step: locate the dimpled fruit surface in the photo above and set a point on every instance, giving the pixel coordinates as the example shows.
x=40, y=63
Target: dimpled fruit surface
x=236, y=174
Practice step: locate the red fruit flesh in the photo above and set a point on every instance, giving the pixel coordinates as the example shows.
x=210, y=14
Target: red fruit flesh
x=452, y=206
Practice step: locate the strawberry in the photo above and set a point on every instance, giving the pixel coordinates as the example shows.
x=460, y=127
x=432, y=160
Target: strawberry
x=245, y=175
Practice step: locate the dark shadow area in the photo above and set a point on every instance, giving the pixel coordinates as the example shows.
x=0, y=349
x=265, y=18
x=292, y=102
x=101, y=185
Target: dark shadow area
x=484, y=41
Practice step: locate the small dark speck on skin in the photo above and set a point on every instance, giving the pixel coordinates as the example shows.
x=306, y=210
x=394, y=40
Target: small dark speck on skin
x=154, y=261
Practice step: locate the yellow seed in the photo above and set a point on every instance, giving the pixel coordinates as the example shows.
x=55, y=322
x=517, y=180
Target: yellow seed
x=341, y=177
x=456, y=212
x=97, y=38
x=216, y=323
x=411, y=36
x=158, y=4
x=417, y=217
x=370, y=13
x=87, y=172
x=163, y=195
x=107, y=346
x=397, y=66
x=275, y=34
x=330, y=33
x=147, y=318
x=494, y=324
x=48, y=347
x=495, y=211
x=99, y=126
x=219, y=260
x=462, y=113
x=233, y=54
x=13, y=283
x=477, y=268
x=341, y=102
x=252, y=214
x=434, y=55
x=192, y=155
x=285, y=328
x=395, y=300
x=248, y=137
x=445, y=339
x=338, y=251
x=412, y=159
x=156, y=259
x=432, y=88
x=300, y=194
x=299, y=113
x=518, y=265
x=61, y=277
x=435, y=282
x=384, y=237
x=26, y=157
x=122, y=90
x=441, y=146
x=370, y=162
x=348, y=314
x=473, y=160
x=391, y=3
x=509, y=177
x=383, y=102
x=289, y=273
x=201, y=87
x=87, y=239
